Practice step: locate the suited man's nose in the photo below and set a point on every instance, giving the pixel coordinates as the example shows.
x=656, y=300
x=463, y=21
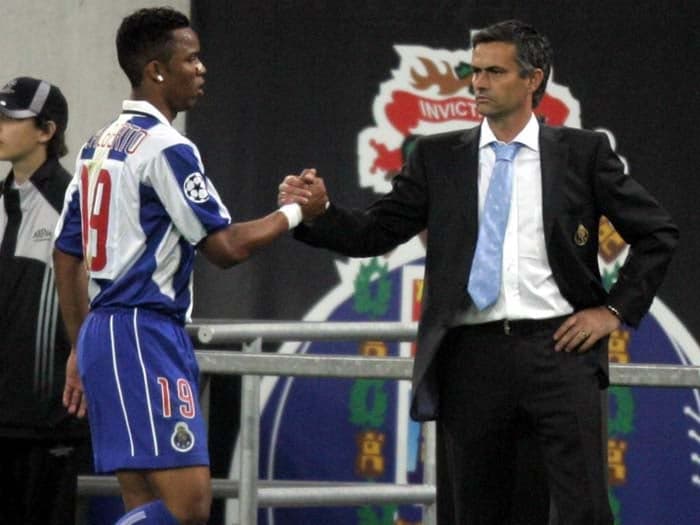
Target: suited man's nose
x=479, y=80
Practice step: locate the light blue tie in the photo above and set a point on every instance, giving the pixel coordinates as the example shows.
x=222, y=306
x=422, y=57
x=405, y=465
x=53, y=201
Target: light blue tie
x=485, y=276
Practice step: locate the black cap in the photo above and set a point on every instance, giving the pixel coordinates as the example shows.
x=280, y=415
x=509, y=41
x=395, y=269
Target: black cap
x=26, y=97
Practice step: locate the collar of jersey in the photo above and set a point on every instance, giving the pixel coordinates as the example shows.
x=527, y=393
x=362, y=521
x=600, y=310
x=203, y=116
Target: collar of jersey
x=141, y=106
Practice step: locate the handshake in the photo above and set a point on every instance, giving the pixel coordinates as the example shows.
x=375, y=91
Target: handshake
x=307, y=190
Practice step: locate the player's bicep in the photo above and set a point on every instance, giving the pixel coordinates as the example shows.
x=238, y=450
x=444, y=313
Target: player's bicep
x=188, y=196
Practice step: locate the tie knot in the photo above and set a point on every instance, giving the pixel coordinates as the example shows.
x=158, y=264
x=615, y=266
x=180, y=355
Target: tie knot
x=505, y=151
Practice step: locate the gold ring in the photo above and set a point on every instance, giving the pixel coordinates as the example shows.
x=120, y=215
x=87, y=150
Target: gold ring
x=584, y=334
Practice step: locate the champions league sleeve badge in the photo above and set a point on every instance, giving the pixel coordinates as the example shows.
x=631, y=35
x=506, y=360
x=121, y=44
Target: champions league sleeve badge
x=195, y=188
x=182, y=438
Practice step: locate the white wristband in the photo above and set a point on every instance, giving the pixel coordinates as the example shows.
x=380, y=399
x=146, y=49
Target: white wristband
x=293, y=214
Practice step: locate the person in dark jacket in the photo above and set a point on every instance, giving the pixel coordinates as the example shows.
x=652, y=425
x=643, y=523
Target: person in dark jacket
x=515, y=319
x=41, y=445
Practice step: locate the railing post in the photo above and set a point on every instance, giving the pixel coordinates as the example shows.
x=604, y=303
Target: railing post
x=430, y=469
x=250, y=434
x=205, y=397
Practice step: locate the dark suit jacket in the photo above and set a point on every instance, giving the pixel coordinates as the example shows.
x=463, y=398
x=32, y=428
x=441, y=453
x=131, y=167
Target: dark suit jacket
x=582, y=179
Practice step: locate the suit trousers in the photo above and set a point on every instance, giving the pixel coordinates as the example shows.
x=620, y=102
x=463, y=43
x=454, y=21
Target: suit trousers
x=495, y=388
x=531, y=503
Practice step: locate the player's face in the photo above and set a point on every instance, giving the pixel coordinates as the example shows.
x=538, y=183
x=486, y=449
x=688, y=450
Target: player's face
x=499, y=89
x=19, y=138
x=184, y=72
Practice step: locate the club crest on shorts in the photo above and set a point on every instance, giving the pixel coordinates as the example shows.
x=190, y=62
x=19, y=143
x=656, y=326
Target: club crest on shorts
x=195, y=188
x=182, y=439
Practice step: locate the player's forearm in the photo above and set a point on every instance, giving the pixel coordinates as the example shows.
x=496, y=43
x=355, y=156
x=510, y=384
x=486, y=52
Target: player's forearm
x=71, y=285
x=239, y=241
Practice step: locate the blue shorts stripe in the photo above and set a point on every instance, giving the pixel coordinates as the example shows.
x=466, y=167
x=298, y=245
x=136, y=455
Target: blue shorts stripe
x=145, y=383
x=118, y=383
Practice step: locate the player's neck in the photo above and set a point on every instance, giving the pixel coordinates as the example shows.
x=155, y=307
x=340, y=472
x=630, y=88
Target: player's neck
x=155, y=100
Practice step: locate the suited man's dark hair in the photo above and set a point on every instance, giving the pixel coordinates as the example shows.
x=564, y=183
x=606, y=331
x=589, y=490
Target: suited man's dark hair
x=533, y=50
x=146, y=35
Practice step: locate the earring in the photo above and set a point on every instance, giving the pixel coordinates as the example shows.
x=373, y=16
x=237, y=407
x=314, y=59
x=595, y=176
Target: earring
x=159, y=78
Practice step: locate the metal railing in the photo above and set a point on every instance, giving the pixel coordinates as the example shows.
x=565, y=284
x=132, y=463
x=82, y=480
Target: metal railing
x=252, y=363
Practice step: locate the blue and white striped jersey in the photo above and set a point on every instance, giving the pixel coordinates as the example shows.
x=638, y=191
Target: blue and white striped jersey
x=136, y=207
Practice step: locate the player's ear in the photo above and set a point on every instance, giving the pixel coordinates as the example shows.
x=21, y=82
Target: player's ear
x=152, y=71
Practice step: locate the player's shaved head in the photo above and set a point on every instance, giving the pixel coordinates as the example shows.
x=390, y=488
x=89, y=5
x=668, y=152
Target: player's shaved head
x=146, y=35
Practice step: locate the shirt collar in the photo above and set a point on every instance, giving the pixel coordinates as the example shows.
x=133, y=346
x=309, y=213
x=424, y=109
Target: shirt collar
x=528, y=136
x=141, y=106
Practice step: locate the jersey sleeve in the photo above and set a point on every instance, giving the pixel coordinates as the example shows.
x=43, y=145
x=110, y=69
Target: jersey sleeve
x=68, y=233
x=188, y=196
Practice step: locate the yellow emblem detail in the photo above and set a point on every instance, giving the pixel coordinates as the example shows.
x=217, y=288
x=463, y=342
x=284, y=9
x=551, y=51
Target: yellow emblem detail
x=581, y=235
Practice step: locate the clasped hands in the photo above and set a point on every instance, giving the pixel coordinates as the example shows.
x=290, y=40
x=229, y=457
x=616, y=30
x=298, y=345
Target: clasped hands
x=307, y=190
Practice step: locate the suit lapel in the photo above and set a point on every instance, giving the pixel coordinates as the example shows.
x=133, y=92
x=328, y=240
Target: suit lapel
x=554, y=157
x=466, y=176
x=463, y=169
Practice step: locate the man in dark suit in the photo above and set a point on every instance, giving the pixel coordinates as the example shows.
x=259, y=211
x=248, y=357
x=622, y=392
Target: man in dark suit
x=536, y=350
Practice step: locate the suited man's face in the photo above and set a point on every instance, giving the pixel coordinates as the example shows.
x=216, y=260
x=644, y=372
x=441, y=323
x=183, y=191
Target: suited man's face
x=501, y=93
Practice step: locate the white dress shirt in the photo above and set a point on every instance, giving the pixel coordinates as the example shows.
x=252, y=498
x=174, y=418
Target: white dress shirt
x=528, y=289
